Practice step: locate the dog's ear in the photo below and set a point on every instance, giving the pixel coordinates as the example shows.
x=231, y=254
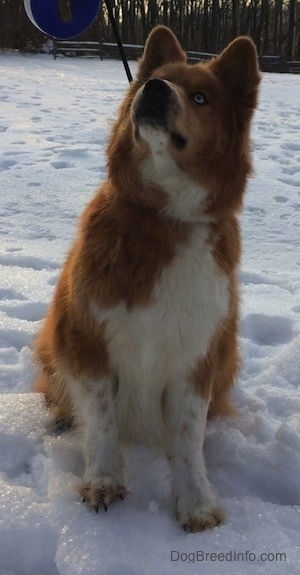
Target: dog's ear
x=162, y=47
x=237, y=67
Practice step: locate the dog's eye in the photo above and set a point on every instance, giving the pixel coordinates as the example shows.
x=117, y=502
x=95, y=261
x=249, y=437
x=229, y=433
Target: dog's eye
x=200, y=99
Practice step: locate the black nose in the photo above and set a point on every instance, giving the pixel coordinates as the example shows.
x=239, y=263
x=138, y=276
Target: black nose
x=157, y=87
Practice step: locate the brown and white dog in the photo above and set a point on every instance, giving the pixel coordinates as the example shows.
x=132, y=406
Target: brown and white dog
x=140, y=341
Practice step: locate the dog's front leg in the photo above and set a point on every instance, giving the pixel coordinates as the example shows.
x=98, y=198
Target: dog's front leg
x=103, y=478
x=196, y=506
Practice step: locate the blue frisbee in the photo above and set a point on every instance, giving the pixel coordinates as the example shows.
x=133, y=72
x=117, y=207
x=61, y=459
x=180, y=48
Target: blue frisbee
x=45, y=15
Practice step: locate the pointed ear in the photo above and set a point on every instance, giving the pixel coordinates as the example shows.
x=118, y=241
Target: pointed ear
x=237, y=67
x=162, y=47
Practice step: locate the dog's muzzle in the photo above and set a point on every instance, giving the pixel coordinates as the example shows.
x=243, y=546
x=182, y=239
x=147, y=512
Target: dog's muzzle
x=157, y=105
x=154, y=103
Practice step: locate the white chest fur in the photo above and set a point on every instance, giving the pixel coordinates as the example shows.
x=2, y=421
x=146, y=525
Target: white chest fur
x=153, y=347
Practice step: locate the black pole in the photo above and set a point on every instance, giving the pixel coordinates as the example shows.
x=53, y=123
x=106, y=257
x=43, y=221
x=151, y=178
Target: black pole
x=119, y=41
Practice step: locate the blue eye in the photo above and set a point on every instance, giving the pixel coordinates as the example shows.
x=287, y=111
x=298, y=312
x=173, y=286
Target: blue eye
x=200, y=99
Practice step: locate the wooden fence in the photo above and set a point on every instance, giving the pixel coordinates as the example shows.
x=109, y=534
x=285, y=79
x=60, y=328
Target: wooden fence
x=109, y=50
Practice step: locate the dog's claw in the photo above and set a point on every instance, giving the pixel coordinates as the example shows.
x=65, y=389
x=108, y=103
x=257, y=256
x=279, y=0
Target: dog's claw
x=100, y=496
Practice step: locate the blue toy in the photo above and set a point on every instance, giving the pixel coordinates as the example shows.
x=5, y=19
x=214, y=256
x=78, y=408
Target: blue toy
x=45, y=15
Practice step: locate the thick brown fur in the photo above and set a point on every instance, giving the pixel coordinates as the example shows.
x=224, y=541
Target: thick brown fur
x=125, y=241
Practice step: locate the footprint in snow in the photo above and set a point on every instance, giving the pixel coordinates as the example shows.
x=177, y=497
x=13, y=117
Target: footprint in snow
x=30, y=311
x=34, y=184
x=10, y=294
x=291, y=170
x=280, y=199
x=61, y=164
x=290, y=182
x=267, y=330
x=17, y=338
x=6, y=164
x=30, y=262
x=291, y=146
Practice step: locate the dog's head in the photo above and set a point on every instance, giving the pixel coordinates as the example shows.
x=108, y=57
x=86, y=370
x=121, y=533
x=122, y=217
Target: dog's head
x=187, y=127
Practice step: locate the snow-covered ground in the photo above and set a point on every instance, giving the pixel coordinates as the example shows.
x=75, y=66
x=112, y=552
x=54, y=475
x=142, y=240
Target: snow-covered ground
x=54, y=120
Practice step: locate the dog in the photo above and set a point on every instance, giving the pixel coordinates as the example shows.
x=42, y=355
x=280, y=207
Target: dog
x=140, y=343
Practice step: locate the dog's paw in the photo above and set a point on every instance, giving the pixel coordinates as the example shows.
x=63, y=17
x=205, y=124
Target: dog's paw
x=201, y=518
x=101, y=491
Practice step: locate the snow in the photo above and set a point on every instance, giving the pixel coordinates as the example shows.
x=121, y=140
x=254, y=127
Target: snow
x=54, y=121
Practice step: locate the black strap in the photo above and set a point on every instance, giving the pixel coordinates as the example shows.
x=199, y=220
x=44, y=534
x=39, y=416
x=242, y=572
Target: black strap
x=119, y=41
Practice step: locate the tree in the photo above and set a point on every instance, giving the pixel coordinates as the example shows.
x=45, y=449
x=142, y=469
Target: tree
x=205, y=25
